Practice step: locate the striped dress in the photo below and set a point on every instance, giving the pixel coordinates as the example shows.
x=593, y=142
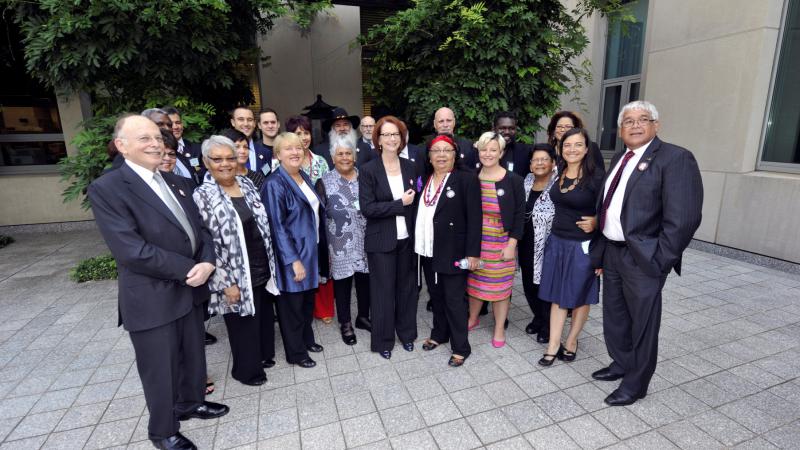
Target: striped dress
x=492, y=282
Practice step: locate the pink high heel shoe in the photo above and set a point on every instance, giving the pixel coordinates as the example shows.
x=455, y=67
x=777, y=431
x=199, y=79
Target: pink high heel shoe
x=498, y=344
x=474, y=325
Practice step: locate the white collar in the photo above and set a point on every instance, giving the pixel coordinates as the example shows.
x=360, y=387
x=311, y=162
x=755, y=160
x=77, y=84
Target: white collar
x=641, y=149
x=146, y=174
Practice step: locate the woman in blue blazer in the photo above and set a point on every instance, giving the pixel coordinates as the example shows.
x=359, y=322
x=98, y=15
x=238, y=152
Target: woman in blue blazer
x=294, y=212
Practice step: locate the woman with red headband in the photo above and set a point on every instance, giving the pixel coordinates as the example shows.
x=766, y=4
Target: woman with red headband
x=447, y=231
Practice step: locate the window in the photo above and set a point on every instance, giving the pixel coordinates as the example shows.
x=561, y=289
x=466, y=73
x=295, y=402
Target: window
x=622, y=75
x=30, y=126
x=781, y=149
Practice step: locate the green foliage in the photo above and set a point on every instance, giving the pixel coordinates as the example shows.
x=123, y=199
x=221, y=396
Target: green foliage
x=80, y=169
x=136, y=49
x=98, y=268
x=480, y=58
x=5, y=240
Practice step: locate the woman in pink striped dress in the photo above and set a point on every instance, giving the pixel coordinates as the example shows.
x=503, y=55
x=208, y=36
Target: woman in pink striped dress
x=503, y=203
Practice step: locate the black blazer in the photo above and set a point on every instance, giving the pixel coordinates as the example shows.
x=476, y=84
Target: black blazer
x=152, y=250
x=661, y=210
x=379, y=207
x=365, y=154
x=511, y=197
x=196, y=176
x=519, y=155
x=457, y=222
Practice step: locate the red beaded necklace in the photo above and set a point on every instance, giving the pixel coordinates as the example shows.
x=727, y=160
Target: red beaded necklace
x=432, y=201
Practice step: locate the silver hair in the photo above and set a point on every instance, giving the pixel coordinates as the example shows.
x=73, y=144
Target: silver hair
x=339, y=141
x=640, y=105
x=334, y=138
x=149, y=113
x=217, y=141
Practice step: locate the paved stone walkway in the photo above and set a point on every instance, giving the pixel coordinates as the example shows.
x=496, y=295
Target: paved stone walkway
x=727, y=374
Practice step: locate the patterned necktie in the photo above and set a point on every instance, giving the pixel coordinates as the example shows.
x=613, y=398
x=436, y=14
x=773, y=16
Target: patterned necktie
x=176, y=209
x=613, y=188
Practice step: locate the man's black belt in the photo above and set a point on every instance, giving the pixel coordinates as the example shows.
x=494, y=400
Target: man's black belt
x=617, y=243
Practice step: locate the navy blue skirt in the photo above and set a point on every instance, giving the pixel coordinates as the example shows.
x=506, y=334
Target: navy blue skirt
x=568, y=279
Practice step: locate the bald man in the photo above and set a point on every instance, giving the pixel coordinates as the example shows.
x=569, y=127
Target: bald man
x=444, y=122
x=164, y=256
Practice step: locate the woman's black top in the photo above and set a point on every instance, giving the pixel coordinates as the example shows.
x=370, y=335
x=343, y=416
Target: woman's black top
x=256, y=251
x=532, y=197
x=570, y=206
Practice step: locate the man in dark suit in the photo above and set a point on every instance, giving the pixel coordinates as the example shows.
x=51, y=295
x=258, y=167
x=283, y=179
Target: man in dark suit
x=516, y=156
x=164, y=256
x=648, y=212
x=269, y=124
x=444, y=122
x=242, y=119
x=187, y=149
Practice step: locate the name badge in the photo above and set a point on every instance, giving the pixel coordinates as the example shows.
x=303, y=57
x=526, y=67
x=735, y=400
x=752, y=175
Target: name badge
x=356, y=205
x=194, y=162
x=501, y=192
x=511, y=166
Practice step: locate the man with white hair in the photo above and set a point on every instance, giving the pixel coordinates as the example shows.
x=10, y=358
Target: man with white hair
x=444, y=122
x=365, y=128
x=648, y=212
x=342, y=124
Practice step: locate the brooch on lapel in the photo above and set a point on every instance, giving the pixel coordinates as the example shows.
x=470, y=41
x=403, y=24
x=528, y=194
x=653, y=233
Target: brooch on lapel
x=501, y=192
x=450, y=193
x=419, y=184
x=260, y=156
x=180, y=191
x=644, y=164
x=257, y=204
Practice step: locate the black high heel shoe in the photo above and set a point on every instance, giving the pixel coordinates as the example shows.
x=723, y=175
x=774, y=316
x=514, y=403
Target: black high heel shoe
x=566, y=355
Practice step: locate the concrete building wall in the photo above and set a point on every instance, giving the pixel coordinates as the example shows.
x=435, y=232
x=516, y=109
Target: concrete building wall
x=321, y=61
x=35, y=197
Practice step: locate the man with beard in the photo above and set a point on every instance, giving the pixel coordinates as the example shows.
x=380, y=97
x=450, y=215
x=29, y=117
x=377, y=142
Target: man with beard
x=516, y=157
x=270, y=126
x=342, y=124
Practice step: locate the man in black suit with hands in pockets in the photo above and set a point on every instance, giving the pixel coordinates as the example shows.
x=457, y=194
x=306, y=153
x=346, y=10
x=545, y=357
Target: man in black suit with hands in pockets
x=164, y=256
x=649, y=209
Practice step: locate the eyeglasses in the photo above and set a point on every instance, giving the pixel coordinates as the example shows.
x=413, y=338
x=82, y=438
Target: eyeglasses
x=391, y=135
x=564, y=127
x=642, y=121
x=171, y=155
x=221, y=160
x=541, y=160
x=442, y=150
x=147, y=140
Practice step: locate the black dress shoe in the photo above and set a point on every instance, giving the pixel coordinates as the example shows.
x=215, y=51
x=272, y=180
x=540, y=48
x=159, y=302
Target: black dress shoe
x=208, y=410
x=408, y=346
x=316, y=348
x=386, y=354
x=532, y=329
x=547, y=359
x=429, y=306
x=566, y=355
x=605, y=374
x=267, y=364
x=543, y=337
x=175, y=442
x=210, y=339
x=255, y=382
x=619, y=398
x=348, y=334
x=362, y=323
x=307, y=363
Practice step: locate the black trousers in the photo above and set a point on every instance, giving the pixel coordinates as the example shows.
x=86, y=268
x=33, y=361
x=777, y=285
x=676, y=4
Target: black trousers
x=171, y=360
x=295, y=313
x=342, y=291
x=450, y=310
x=631, y=318
x=252, y=338
x=539, y=308
x=393, y=296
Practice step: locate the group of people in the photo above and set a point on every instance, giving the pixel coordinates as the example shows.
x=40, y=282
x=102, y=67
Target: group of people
x=244, y=227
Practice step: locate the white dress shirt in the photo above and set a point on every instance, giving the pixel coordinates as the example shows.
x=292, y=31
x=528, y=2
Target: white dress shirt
x=148, y=177
x=423, y=228
x=396, y=185
x=612, y=229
